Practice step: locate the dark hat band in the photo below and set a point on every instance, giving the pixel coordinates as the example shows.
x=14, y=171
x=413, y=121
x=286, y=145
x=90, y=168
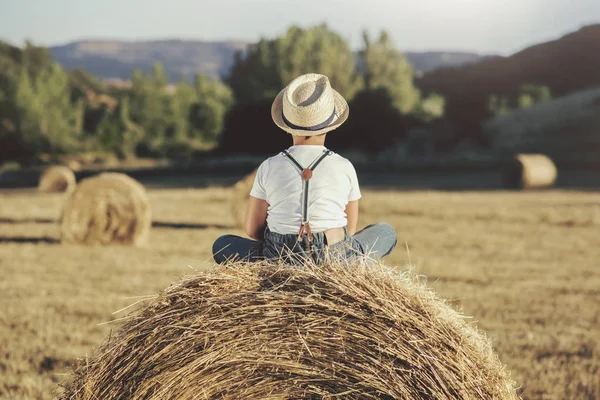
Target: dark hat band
x=322, y=125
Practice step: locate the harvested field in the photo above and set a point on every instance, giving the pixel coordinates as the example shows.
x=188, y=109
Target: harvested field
x=524, y=265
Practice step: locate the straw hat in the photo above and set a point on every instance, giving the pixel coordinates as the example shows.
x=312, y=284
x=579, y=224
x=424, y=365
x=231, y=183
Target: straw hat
x=308, y=106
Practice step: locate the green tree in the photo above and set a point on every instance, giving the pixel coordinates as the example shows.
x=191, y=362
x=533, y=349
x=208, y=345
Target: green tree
x=28, y=112
x=385, y=67
x=430, y=108
x=525, y=100
x=533, y=94
x=176, y=119
x=36, y=59
x=117, y=133
x=150, y=106
x=36, y=114
x=180, y=103
x=207, y=114
x=528, y=96
x=270, y=65
x=81, y=82
x=206, y=87
x=498, y=105
x=47, y=120
x=10, y=70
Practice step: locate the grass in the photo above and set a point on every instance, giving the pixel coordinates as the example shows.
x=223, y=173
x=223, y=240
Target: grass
x=524, y=265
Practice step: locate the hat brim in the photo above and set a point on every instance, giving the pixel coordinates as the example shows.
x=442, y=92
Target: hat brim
x=341, y=115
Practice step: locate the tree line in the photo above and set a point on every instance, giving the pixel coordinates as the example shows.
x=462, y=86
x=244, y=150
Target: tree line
x=45, y=110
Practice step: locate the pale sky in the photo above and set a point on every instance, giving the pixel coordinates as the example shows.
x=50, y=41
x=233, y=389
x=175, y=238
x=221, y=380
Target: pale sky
x=485, y=26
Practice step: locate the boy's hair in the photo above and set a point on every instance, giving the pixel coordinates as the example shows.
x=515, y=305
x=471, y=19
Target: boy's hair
x=308, y=137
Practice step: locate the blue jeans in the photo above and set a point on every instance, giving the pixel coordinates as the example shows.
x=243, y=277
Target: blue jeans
x=375, y=241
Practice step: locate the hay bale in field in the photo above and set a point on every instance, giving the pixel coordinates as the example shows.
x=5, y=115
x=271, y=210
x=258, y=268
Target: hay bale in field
x=529, y=171
x=74, y=165
x=105, y=209
x=263, y=331
x=57, y=179
x=241, y=191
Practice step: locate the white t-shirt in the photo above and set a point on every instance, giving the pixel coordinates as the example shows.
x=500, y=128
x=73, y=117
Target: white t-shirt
x=334, y=183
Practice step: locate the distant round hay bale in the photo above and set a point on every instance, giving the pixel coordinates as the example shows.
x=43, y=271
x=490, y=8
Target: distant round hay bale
x=105, y=209
x=529, y=171
x=241, y=191
x=74, y=165
x=57, y=179
x=263, y=331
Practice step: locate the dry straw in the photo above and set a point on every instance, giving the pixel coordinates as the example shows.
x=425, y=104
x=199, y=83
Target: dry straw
x=241, y=191
x=274, y=332
x=57, y=179
x=105, y=209
x=530, y=171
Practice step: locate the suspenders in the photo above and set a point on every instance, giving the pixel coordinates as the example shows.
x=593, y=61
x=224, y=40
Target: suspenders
x=306, y=174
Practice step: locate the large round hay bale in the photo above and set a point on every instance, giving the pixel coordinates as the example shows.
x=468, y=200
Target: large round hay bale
x=239, y=200
x=529, y=171
x=105, y=209
x=57, y=179
x=273, y=332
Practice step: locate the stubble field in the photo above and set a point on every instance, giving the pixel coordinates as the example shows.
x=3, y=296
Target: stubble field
x=525, y=266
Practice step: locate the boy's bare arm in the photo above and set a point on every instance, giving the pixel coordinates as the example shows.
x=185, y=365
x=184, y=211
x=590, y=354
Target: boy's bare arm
x=352, y=216
x=256, y=218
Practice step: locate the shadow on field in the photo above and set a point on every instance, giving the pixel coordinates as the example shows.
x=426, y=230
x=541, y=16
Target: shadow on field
x=25, y=239
x=177, y=225
x=27, y=221
x=400, y=179
x=155, y=224
x=395, y=180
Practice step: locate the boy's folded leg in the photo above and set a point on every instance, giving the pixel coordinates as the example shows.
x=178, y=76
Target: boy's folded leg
x=232, y=247
x=377, y=240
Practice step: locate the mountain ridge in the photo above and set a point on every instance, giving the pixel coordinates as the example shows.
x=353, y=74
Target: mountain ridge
x=565, y=65
x=117, y=59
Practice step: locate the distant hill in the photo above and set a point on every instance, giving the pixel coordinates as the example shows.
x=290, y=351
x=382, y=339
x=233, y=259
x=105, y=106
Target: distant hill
x=430, y=61
x=567, y=129
x=118, y=59
x=566, y=65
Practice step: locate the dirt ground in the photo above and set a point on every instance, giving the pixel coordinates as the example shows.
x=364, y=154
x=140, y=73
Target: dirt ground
x=525, y=266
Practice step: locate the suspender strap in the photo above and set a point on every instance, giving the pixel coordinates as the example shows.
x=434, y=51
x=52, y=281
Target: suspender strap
x=293, y=160
x=306, y=174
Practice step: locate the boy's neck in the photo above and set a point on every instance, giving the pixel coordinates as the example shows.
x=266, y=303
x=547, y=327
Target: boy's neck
x=318, y=140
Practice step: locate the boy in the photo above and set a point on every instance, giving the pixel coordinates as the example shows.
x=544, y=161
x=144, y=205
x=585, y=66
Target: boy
x=304, y=201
